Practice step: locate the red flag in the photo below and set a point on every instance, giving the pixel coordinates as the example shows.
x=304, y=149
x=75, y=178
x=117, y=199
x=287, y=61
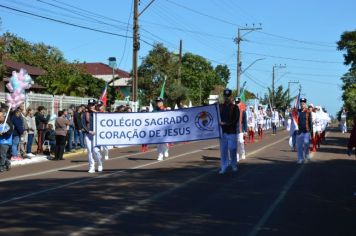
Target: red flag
x=104, y=94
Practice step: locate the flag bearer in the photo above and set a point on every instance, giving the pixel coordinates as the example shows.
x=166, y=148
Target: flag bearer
x=229, y=114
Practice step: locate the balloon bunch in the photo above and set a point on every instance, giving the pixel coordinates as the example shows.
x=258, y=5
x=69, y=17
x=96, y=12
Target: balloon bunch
x=19, y=82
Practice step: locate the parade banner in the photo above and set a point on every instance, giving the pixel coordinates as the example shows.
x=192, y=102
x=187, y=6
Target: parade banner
x=188, y=124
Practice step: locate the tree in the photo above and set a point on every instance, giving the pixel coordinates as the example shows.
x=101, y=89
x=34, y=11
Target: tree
x=348, y=43
x=223, y=75
x=198, y=77
x=61, y=77
x=280, y=98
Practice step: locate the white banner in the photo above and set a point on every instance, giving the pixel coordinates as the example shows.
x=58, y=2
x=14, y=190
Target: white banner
x=181, y=125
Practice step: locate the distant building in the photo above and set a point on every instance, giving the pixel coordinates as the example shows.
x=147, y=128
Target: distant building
x=106, y=73
x=33, y=71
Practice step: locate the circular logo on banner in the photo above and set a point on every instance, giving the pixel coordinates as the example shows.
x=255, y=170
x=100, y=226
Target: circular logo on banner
x=204, y=121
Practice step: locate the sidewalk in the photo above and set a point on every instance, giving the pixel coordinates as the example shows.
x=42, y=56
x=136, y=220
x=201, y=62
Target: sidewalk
x=42, y=158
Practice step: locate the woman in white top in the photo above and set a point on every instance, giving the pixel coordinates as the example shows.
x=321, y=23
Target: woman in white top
x=31, y=128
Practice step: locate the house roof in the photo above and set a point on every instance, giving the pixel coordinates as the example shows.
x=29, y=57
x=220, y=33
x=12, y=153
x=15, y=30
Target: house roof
x=31, y=70
x=97, y=68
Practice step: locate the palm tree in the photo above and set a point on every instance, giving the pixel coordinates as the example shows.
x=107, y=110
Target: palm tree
x=280, y=99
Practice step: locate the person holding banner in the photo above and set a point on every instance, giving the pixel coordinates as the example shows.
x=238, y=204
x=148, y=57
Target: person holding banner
x=303, y=135
x=162, y=148
x=241, y=129
x=229, y=114
x=89, y=135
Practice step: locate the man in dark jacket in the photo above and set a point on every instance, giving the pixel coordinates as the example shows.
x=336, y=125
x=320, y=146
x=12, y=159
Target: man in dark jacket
x=78, y=124
x=304, y=131
x=41, y=124
x=229, y=114
x=5, y=141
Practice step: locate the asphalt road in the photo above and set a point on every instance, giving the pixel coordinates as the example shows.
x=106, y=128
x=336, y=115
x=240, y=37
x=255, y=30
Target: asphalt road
x=185, y=195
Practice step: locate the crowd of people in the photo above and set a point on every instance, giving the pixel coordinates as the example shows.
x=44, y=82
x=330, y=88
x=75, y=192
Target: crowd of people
x=73, y=129
x=306, y=123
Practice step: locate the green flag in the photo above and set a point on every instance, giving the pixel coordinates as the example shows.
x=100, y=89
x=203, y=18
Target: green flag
x=242, y=93
x=162, y=89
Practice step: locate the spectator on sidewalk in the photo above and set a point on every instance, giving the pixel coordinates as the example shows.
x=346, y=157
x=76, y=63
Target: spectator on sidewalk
x=41, y=124
x=352, y=141
x=70, y=133
x=17, y=121
x=78, y=125
x=50, y=136
x=31, y=127
x=61, y=125
x=5, y=141
x=24, y=136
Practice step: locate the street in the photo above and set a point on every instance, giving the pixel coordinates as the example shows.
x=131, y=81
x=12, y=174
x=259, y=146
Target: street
x=184, y=195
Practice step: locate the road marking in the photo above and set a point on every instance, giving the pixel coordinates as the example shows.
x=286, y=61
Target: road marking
x=276, y=202
x=128, y=209
x=96, y=177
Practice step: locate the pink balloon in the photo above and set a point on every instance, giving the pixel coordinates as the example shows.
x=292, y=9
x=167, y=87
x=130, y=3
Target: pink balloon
x=9, y=87
x=9, y=97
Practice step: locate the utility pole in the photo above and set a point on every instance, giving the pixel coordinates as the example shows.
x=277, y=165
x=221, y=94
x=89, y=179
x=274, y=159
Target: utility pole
x=238, y=41
x=275, y=66
x=136, y=48
x=291, y=82
x=180, y=62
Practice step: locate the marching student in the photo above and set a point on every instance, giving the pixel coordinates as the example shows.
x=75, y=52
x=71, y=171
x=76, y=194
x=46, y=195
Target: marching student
x=229, y=114
x=315, y=124
x=343, y=121
x=93, y=151
x=241, y=129
x=251, y=123
x=261, y=114
x=303, y=135
x=162, y=148
x=275, y=120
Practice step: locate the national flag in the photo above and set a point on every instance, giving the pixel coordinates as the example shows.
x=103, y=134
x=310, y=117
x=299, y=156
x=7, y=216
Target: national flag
x=294, y=115
x=243, y=97
x=162, y=89
x=104, y=95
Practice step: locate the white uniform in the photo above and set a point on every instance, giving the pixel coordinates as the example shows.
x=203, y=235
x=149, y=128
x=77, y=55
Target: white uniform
x=251, y=120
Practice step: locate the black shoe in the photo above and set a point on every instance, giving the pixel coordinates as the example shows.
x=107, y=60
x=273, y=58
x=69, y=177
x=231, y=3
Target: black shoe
x=7, y=165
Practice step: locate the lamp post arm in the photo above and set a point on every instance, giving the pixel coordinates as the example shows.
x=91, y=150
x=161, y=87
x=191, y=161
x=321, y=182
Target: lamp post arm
x=252, y=64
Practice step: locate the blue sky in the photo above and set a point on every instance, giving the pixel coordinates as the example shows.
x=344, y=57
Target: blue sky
x=299, y=34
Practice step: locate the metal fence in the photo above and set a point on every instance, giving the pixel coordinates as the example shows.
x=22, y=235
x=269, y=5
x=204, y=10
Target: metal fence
x=54, y=103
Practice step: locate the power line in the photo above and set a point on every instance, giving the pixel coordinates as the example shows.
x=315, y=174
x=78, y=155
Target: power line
x=64, y=22
x=203, y=14
x=293, y=59
x=297, y=40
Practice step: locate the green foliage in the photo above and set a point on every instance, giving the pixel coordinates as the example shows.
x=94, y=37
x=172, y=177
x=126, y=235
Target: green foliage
x=280, y=98
x=198, y=77
x=348, y=43
x=349, y=92
x=61, y=77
